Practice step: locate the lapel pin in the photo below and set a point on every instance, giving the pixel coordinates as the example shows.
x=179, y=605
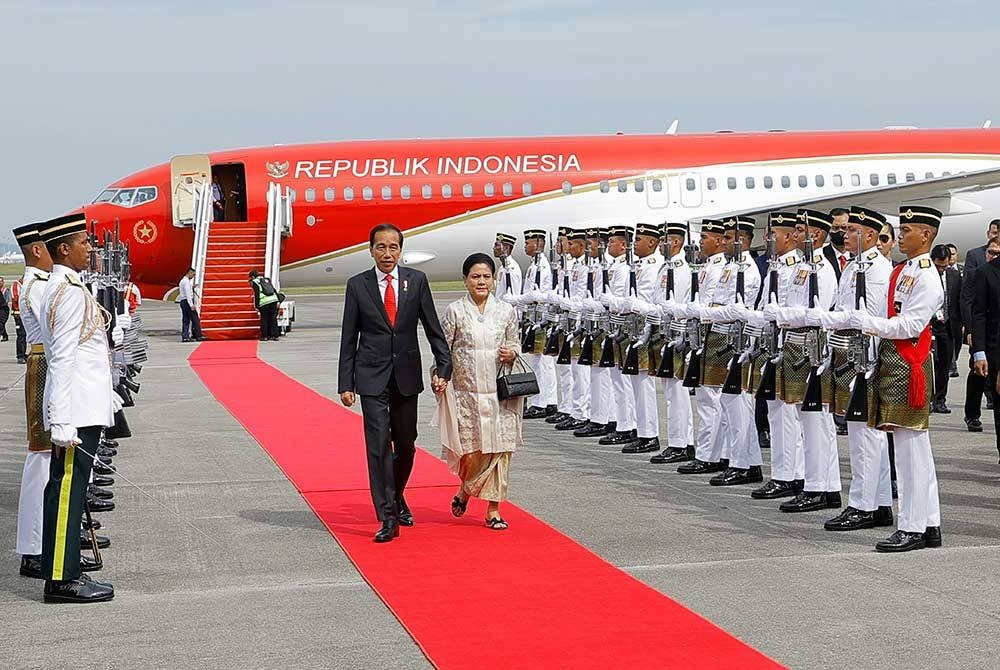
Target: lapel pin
x=406, y=285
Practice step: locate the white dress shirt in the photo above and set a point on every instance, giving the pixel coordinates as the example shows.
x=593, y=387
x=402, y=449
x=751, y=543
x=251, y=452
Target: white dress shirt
x=187, y=290
x=381, y=282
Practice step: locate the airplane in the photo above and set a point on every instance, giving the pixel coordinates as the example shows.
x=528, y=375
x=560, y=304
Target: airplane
x=451, y=196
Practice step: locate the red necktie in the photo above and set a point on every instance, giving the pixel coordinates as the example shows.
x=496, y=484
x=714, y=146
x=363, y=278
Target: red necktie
x=390, y=301
x=843, y=261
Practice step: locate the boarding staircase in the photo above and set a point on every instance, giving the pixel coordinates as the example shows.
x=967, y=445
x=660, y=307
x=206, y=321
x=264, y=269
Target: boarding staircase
x=223, y=255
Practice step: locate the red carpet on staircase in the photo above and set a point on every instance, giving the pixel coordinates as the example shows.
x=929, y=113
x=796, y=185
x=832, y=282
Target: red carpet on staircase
x=529, y=597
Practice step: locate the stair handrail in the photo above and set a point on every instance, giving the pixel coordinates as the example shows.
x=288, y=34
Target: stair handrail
x=199, y=252
x=279, y=214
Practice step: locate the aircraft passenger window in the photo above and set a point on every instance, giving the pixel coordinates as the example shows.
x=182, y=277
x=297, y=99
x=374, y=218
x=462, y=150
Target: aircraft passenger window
x=820, y=181
x=710, y=183
x=367, y=193
x=768, y=182
x=526, y=188
x=838, y=181
x=786, y=182
x=387, y=192
x=445, y=190
x=891, y=178
x=144, y=194
x=292, y=195
x=310, y=195
x=605, y=186
x=657, y=185
x=508, y=189
x=855, y=180
x=622, y=186
x=639, y=185
x=873, y=179
x=329, y=194
x=689, y=184
x=467, y=190
x=910, y=176
x=489, y=189
x=731, y=183
x=750, y=182
x=124, y=197
x=929, y=175
x=945, y=174
x=348, y=193
x=106, y=195
x=404, y=192
x=803, y=181
x=426, y=191
x=567, y=187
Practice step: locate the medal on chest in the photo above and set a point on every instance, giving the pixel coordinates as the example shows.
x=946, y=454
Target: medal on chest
x=800, y=277
x=905, y=286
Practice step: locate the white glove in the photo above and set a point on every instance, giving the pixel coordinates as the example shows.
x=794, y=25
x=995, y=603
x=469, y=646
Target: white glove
x=605, y=299
x=861, y=320
x=756, y=318
x=694, y=310
x=832, y=320
x=812, y=317
x=794, y=317
x=124, y=320
x=64, y=435
x=116, y=402
x=772, y=312
x=117, y=335
x=593, y=305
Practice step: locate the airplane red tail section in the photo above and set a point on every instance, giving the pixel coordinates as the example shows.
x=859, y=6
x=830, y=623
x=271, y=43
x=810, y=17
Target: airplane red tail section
x=227, y=311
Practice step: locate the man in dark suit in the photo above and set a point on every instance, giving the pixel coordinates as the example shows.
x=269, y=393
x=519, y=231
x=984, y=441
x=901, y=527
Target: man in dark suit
x=986, y=327
x=974, y=258
x=380, y=361
x=835, y=252
x=941, y=326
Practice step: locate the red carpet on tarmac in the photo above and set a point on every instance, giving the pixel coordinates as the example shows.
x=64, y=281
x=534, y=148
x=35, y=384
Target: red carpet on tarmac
x=529, y=597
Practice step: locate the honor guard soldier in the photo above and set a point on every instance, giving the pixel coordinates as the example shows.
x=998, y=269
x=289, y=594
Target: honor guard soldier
x=619, y=241
x=78, y=405
x=714, y=364
x=572, y=303
x=644, y=312
x=805, y=372
x=558, y=290
x=864, y=285
x=673, y=286
x=903, y=390
x=508, y=279
x=36, y=465
x=598, y=282
x=737, y=445
x=537, y=279
x=787, y=458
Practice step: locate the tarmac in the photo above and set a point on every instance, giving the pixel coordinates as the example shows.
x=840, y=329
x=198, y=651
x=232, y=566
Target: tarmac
x=218, y=562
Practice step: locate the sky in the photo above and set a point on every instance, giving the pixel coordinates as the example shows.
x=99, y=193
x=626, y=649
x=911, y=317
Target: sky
x=93, y=91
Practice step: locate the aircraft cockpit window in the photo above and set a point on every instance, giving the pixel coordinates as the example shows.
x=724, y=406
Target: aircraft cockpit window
x=144, y=194
x=105, y=195
x=123, y=197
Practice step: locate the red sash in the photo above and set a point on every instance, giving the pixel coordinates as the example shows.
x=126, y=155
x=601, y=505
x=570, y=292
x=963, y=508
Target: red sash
x=913, y=353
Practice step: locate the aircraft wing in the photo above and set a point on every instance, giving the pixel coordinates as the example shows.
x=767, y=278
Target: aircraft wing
x=943, y=193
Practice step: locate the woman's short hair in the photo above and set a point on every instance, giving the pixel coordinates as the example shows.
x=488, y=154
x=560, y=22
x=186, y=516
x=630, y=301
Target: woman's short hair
x=476, y=259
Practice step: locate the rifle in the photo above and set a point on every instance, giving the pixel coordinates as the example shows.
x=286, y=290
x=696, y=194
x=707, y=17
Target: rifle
x=552, y=341
x=860, y=351
x=630, y=365
x=812, y=401
x=734, y=378
x=693, y=339
x=566, y=350
x=665, y=369
x=531, y=313
x=608, y=344
x=587, y=345
x=768, y=387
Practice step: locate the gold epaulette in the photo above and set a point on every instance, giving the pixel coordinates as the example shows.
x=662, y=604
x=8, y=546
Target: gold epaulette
x=790, y=261
x=75, y=281
x=925, y=263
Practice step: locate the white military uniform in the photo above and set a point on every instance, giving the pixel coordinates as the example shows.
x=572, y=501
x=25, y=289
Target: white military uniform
x=578, y=273
x=643, y=384
x=507, y=272
x=564, y=373
x=36, y=464
x=538, y=277
x=600, y=378
x=620, y=389
x=822, y=462
x=739, y=442
x=680, y=418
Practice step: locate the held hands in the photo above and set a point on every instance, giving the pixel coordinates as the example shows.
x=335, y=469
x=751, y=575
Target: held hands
x=347, y=398
x=438, y=385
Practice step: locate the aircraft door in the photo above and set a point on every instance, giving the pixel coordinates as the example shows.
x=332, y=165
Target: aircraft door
x=187, y=173
x=690, y=187
x=657, y=193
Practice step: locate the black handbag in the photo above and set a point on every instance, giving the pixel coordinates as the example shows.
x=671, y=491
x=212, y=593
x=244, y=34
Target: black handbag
x=516, y=384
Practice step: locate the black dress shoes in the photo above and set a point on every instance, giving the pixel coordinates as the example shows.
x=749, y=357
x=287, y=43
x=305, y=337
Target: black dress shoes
x=807, y=501
x=932, y=537
x=642, y=445
x=99, y=504
x=940, y=408
x=699, y=467
x=389, y=530
x=103, y=542
x=88, y=564
x=901, y=541
x=591, y=430
x=557, y=417
x=101, y=469
x=673, y=455
x=883, y=517
x=98, y=492
x=735, y=476
x=405, y=515
x=96, y=523
x=572, y=424
x=973, y=425
x=103, y=480
x=79, y=590
x=851, y=519
x=112, y=444
x=774, y=488
x=535, y=413
x=31, y=566
x=618, y=437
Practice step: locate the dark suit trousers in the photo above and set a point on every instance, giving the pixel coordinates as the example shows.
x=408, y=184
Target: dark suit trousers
x=389, y=417
x=943, y=356
x=990, y=384
x=974, y=388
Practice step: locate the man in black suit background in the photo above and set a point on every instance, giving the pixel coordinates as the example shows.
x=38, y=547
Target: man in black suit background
x=380, y=361
x=836, y=252
x=942, y=326
x=986, y=327
x=974, y=258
